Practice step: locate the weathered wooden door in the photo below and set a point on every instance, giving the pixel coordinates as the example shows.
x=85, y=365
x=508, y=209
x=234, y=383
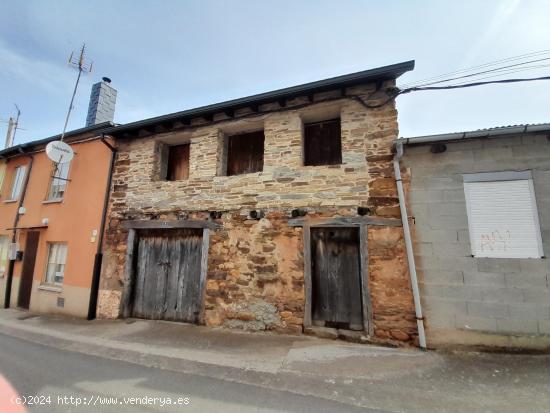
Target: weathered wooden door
x=336, y=278
x=27, y=272
x=168, y=268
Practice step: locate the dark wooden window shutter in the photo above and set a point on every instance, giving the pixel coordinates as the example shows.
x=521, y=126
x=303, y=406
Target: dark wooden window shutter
x=178, y=162
x=245, y=153
x=323, y=143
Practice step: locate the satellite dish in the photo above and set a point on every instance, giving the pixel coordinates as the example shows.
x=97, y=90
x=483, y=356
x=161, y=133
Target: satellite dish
x=59, y=152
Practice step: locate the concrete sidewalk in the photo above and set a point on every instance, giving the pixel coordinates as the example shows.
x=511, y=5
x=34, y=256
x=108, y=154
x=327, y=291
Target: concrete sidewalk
x=369, y=376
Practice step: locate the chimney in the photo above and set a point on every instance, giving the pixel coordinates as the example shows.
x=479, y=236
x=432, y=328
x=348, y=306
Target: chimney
x=102, y=103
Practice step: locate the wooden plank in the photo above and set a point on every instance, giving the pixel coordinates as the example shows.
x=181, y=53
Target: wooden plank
x=172, y=284
x=365, y=290
x=344, y=221
x=163, y=274
x=307, y=275
x=350, y=271
x=194, y=283
x=204, y=272
x=156, y=224
x=147, y=268
x=129, y=274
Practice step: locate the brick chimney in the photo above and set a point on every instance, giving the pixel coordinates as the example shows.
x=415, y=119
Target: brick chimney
x=102, y=103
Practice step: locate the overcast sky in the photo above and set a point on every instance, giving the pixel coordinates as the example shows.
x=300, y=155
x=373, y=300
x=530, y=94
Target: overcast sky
x=166, y=56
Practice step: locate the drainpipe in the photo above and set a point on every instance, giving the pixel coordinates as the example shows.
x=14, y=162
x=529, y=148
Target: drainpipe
x=98, y=259
x=409, y=247
x=11, y=265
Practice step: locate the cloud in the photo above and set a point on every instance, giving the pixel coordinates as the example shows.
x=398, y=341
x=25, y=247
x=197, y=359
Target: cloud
x=33, y=71
x=498, y=22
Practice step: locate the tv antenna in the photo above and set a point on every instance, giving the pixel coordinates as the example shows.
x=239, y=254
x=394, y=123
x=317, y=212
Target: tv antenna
x=80, y=64
x=13, y=125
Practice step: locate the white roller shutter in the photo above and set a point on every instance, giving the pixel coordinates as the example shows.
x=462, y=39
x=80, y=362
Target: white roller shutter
x=503, y=219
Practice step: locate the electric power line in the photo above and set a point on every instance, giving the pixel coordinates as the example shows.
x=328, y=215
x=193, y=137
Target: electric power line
x=414, y=89
x=507, y=72
x=484, y=72
x=493, y=63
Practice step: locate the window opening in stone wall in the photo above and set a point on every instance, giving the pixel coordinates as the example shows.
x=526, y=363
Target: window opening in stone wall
x=245, y=153
x=178, y=162
x=323, y=143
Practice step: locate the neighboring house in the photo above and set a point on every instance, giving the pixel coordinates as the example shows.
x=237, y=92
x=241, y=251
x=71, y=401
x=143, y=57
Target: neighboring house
x=481, y=207
x=277, y=211
x=52, y=216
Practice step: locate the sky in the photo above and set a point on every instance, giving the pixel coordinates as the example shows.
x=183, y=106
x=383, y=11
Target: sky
x=166, y=56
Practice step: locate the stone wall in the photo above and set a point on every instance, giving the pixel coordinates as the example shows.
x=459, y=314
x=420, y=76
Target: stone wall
x=255, y=267
x=468, y=300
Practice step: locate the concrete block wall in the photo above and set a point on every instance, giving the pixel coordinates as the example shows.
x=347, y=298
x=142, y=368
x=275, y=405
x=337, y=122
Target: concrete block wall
x=467, y=300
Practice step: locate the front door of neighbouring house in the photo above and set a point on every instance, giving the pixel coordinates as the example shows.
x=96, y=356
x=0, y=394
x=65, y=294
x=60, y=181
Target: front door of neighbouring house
x=336, y=278
x=167, y=275
x=27, y=272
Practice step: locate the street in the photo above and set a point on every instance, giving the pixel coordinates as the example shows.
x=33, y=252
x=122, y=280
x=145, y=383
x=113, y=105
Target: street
x=37, y=370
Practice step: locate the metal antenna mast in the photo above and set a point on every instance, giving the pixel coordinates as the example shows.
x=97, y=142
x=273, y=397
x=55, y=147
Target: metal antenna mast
x=13, y=125
x=81, y=65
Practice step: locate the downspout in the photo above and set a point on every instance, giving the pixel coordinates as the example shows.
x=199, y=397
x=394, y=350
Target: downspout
x=409, y=247
x=98, y=259
x=11, y=265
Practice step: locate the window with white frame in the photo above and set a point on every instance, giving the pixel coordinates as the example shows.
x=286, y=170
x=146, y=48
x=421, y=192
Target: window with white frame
x=58, y=181
x=502, y=215
x=55, y=269
x=4, y=253
x=17, y=182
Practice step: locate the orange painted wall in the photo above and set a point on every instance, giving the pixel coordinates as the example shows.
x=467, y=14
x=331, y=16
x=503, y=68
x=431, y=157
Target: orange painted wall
x=72, y=220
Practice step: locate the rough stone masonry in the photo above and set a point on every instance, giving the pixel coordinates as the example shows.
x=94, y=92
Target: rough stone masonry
x=255, y=274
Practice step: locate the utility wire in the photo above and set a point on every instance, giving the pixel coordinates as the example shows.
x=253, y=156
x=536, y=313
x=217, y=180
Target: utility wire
x=508, y=72
x=506, y=60
x=415, y=89
x=484, y=72
x=395, y=92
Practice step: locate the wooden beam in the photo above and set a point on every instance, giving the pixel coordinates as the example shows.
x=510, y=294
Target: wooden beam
x=229, y=113
x=131, y=252
x=307, y=275
x=129, y=135
x=204, y=272
x=365, y=290
x=282, y=103
x=156, y=224
x=344, y=222
x=164, y=127
x=209, y=117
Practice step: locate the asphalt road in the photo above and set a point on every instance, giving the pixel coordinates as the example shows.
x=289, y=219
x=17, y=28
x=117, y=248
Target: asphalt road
x=39, y=370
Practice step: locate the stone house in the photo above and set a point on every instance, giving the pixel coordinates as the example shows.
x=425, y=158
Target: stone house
x=277, y=212
x=480, y=202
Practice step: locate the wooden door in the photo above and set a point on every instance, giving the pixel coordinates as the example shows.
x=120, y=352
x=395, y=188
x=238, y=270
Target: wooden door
x=167, y=283
x=336, y=278
x=27, y=272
